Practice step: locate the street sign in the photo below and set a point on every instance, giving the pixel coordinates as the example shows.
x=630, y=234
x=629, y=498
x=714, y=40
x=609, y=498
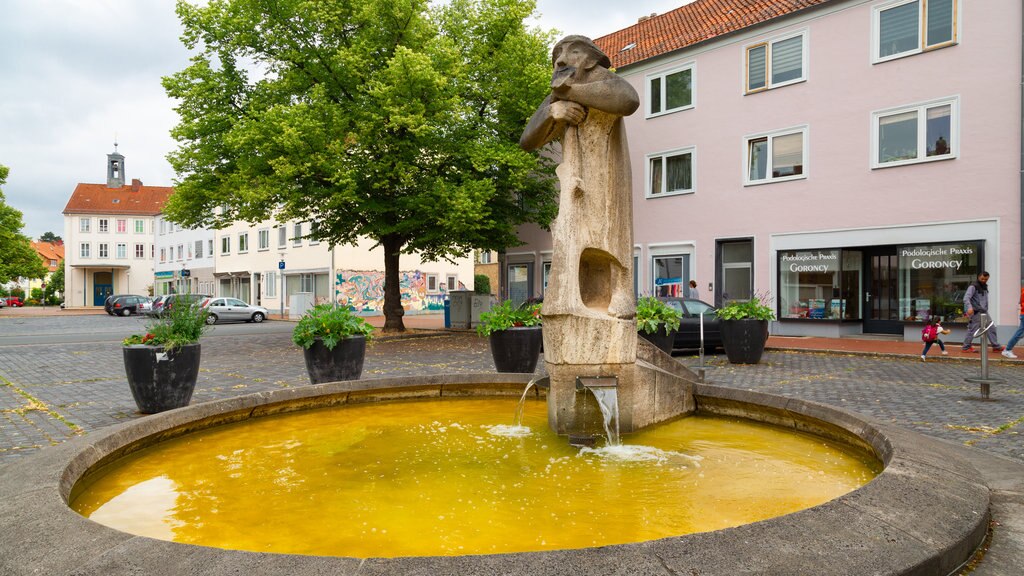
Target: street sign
x=280, y=265
x=185, y=273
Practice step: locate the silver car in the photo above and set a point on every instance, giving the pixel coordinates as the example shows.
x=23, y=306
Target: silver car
x=232, y=310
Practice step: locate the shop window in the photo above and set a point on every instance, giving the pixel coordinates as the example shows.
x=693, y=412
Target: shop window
x=934, y=278
x=913, y=134
x=809, y=285
x=671, y=274
x=775, y=63
x=899, y=32
x=520, y=279
x=670, y=173
x=776, y=156
x=670, y=91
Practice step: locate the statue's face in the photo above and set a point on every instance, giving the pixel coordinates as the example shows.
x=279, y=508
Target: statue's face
x=574, y=55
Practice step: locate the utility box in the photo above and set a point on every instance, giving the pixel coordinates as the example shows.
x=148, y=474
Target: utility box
x=481, y=303
x=461, y=308
x=299, y=303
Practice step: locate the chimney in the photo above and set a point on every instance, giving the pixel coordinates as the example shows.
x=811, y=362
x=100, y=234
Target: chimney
x=136, y=184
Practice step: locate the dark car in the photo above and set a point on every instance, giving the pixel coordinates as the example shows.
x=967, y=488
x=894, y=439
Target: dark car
x=108, y=304
x=688, y=335
x=127, y=305
x=171, y=300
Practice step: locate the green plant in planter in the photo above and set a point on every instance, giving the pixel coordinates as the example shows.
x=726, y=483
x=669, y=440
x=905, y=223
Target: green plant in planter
x=754, y=308
x=331, y=324
x=183, y=324
x=652, y=314
x=505, y=316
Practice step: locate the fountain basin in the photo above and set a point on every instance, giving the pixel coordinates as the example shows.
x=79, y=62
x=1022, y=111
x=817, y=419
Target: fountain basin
x=924, y=514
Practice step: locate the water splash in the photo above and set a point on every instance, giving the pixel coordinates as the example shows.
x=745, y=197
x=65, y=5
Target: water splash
x=632, y=453
x=608, y=401
x=521, y=408
x=516, y=430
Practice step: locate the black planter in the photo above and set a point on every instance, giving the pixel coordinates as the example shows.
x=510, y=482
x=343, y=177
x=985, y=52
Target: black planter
x=744, y=340
x=161, y=379
x=516, y=349
x=345, y=362
x=662, y=339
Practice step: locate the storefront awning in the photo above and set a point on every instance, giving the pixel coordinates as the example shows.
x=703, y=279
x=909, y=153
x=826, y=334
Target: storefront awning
x=242, y=274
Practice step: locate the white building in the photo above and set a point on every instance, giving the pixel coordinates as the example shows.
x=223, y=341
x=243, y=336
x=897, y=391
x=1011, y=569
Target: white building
x=108, y=235
x=184, y=259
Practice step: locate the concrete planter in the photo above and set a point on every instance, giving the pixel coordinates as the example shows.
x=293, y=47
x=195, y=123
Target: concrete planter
x=662, y=339
x=516, y=349
x=744, y=339
x=345, y=362
x=161, y=379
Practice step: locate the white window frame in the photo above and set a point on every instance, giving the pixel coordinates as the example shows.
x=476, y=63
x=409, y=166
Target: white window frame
x=451, y=282
x=768, y=43
x=122, y=225
x=243, y=242
x=121, y=251
x=270, y=284
x=263, y=239
x=876, y=30
x=140, y=226
x=432, y=287
x=922, y=132
x=225, y=245
x=692, y=67
x=297, y=234
x=804, y=130
x=163, y=255
x=140, y=250
x=181, y=252
x=103, y=250
x=199, y=249
x=282, y=237
x=648, y=193
x=85, y=250
x=84, y=224
x=163, y=226
x=103, y=225
x=209, y=247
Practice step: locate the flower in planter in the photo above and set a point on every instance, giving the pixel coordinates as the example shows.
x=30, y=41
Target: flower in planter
x=331, y=324
x=504, y=316
x=652, y=314
x=756, y=308
x=183, y=324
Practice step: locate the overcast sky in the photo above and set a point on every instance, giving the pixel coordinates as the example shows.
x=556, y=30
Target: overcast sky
x=75, y=73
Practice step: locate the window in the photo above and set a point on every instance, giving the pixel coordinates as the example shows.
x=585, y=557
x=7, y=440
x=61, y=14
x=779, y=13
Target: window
x=163, y=226
x=104, y=225
x=904, y=28
x=264, y=239
x=243, y=243
x=920, y=133
x=209, y=247
x=282, y=237
x=163, y=254
x=84, y=224
x=670, y=173
x=53, y=262
x=776, y=62
x=199, y=249
x=545, y=275
x=122, y=226
x=452, y=282
x=122, y=250
x=103, y=250
x=736, y=273
x=140, y=226
x=313, y=229
x=305, y=282
x=181, y=252
x=933, y=279
x=270, y=284
x=776, y=156
x=83, y=250
x=670, y=91
x=485, y=257
x=297, y=235
x=671, y=274
x=140, y=250
x=225, y=244
x=431, y=282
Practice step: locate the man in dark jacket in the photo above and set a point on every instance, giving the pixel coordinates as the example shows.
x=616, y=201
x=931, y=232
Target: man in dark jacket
x=976, y=303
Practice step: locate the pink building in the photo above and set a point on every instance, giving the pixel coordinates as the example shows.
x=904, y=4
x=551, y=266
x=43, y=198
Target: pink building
x=856, y=162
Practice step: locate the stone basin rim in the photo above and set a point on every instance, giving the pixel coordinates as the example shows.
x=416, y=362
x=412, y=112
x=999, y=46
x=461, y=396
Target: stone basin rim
x=924, y=514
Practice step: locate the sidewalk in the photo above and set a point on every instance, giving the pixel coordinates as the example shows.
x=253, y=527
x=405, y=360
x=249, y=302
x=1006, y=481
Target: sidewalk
x=876, y=347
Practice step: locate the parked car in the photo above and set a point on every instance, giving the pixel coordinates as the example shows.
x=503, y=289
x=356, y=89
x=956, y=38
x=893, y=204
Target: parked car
x=155, y=306
x=3, y=302
x=126, y=305
x=145, y=307
x=232, y=309
x=688, y=335
x=169, y=301
x=13, y=301
x=108, y=304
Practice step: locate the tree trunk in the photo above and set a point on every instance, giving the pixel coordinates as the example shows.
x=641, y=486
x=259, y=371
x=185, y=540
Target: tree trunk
x=393, y=310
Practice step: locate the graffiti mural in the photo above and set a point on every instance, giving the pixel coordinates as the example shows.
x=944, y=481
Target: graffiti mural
x=363, y=291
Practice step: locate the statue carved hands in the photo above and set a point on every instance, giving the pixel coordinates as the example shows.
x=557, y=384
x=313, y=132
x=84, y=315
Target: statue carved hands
x=564, y=111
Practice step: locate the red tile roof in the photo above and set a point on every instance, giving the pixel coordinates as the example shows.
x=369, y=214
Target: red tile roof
x=49, y=251
x=691, y=24
x=98, y=199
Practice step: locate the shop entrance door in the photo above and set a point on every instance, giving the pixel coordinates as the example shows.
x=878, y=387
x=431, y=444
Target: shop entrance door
x=881, y=300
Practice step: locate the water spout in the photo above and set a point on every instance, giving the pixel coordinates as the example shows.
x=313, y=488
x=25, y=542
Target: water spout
x=608, y=401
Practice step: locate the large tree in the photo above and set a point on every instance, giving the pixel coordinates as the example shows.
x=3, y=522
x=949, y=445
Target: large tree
x=17, y=257
x=49, y=237
x=385, y=119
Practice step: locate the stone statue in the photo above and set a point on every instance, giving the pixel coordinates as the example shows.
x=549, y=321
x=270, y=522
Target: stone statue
x=592, y=260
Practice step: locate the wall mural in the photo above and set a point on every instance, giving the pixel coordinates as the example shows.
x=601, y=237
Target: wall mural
x=363, y=291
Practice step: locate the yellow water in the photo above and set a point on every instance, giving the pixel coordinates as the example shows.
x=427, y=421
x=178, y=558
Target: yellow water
x=427, y=478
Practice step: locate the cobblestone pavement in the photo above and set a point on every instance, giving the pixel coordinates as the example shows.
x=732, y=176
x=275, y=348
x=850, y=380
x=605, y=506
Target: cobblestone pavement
x=49, y=393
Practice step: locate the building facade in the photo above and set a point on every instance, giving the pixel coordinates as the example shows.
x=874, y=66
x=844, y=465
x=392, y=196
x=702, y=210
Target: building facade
x=183, y=259
x=108, y=237
x=854, y=162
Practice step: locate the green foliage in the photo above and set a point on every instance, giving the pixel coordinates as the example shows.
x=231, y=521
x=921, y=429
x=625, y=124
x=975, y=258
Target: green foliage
x=55, y=284
x=49, y=237
x=331, y=324
x=481, y=284
x=184, y=323
x=17, y=257
x=652, y=314
x=755, y=308
x=37, y=295
x=385, y=119
x=504, y=316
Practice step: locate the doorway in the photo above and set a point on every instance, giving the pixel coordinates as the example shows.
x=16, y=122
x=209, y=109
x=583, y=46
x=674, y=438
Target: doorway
x=881, y=295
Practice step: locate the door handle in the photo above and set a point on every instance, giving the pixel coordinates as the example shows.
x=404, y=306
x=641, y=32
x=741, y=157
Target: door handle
x=867, y=296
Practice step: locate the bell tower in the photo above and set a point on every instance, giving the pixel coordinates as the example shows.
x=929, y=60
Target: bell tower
x=115, y=169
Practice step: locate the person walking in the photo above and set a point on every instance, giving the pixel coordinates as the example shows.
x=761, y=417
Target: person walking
x=976, y=303
x=692, y=291
x=1019, y=333
x=930, y=335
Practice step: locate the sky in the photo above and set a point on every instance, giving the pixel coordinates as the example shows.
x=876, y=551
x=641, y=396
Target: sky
x=76, y=74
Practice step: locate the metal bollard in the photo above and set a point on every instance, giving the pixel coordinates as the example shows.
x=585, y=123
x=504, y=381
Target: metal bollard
x=985, y=324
